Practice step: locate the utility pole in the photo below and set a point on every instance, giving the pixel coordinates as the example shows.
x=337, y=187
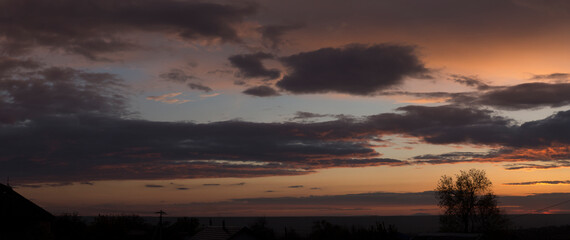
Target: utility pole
x=158, y=234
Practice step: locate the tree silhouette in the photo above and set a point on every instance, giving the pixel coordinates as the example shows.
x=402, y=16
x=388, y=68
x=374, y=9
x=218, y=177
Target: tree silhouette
x=469, y=203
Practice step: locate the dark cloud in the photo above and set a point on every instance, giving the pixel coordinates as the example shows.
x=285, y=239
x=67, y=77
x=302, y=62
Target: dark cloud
x=354, y=69
x=88, y=142
x=527, y=96
x=261, y=91
x=531, y=166
x=153, y=186
x=456, y=21
x=471, y=81
x=200, y=87
x=538, y=202
x=533, y=203
x=179, y=76
x=553, y=76
x=29, y=186
x=273, y=34
x=539, y=182
x=239, y=184
x=92, y=27
x=315, y=188
x=176, y=75
x=8, y=65
x=360, y=199
x=88, y=147
x=60, y=184
x=182, y=188
x=295, y=186
x=307, y=115
x=453, y=157
x=251, y=66
x=88, y=183
x=29, y=94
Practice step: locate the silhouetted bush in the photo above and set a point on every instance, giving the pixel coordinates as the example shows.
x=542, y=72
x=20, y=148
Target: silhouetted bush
x=182, y=228
x=69, y=226
x=120, y=227
x=260, y=230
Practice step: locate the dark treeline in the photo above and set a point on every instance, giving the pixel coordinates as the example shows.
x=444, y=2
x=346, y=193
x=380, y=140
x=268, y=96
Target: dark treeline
x=131, y=227
x=72, y=226
x=124, y=227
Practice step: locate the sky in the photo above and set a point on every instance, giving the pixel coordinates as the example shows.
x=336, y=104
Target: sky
x=283, y=108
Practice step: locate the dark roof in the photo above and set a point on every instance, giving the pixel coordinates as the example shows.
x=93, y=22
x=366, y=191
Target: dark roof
x=448, y=236
x=15, y=206
x=219, y=233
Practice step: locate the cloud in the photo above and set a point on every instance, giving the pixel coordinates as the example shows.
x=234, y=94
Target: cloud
x=8, y=65
x=59, y=184
x=153, y=186
x=452, y=157
x=538, y=202
x=359, y=199
x=209, y=95
x=377, y=202
x=200, y=87
x=93, y=142
x=182, y=188
x=179, y=76
x=239, y=184
x=354, y=69
x=92, y=28
x=176, y=75
x=296, y=186
x=557, y=77
x=455, y=21
x=251, y=66
x=168, y=98
x=539, y=182
x=532, y=166
x=527, y=96
x=471, y=81
x=261, y=91
x=306, y=115
x=273, y=34
x=30, y=92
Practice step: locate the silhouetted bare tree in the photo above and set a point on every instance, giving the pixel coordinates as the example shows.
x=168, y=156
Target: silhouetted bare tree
x=469, y=203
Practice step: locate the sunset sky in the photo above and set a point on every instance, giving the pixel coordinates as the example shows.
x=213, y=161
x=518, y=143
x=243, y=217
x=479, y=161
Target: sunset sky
x=282, y=108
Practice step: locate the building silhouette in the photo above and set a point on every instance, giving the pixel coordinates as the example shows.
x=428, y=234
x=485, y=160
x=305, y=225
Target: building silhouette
x=22, y=219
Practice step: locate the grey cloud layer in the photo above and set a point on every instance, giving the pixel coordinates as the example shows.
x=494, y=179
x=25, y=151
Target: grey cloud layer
x=62, y=124
x=91, y=27
x=261, y=91
x=87, y=145
x=527, y=96
x=30, y=92
x=251, y=66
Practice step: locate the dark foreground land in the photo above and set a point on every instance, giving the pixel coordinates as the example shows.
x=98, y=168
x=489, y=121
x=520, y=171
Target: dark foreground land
x=312, y=228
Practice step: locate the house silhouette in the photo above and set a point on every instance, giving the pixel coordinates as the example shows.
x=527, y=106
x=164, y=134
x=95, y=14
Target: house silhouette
x=224, y=233
x=22, y=219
